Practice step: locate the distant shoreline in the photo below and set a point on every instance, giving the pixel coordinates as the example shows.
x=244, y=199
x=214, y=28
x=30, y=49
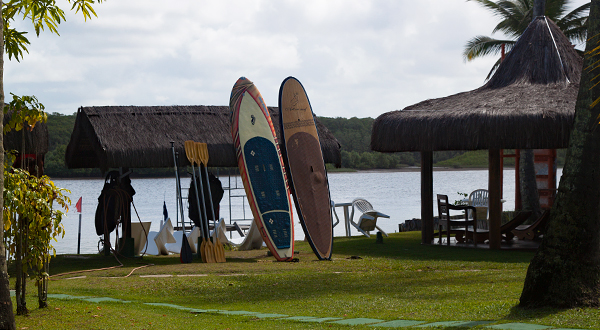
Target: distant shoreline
x=374, y=170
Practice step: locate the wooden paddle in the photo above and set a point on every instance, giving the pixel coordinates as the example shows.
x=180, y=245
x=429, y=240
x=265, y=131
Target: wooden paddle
x=219, y=252
x=207, y=246
x=190, y=152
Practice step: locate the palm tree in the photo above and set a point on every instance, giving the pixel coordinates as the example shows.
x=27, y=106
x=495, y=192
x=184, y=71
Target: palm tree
x=515, y=17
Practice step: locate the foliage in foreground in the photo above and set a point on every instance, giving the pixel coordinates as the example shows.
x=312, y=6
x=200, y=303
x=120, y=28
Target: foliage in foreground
x=400, y=279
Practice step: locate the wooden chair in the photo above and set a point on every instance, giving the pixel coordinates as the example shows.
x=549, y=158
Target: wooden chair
x=451, y=224
x=535, y=230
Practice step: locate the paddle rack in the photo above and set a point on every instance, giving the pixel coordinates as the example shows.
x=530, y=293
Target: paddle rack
x=237, y=200
x=181, y=218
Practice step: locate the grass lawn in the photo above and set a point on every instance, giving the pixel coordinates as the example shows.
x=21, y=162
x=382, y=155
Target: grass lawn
x=400, y=279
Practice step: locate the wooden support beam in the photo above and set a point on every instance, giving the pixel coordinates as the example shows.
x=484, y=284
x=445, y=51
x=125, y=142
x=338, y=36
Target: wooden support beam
x=426, y=197
x=495, y=196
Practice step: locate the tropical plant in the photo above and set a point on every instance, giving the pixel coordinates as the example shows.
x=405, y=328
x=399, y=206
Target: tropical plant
x=31, y=222
x=44, y=15
x=515, y=16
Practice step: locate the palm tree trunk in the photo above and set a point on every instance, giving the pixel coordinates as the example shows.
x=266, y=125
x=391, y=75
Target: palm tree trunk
x=530, y=197
x=565, y=271
x=539, y=8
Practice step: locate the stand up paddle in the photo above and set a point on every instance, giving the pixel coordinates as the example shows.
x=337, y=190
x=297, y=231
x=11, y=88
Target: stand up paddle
x=190, y=152
x=185, y=256
x=206, y=246
x=219, y=251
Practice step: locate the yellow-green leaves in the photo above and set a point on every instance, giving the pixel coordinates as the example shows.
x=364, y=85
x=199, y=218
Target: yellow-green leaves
x=25, y=109
x=85, y=6
x=43, y=14
x=32, y=208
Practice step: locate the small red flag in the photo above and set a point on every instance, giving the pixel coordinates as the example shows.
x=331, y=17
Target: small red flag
x=78, y=205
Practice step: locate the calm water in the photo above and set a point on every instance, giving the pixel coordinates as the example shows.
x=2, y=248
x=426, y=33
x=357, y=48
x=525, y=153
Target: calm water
x=394, y=193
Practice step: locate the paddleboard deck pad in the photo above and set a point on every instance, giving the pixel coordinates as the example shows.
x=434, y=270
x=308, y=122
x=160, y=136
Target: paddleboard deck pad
x=261, y=168
x=306, y=168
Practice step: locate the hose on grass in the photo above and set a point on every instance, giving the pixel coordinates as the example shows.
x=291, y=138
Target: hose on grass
x=105, y=268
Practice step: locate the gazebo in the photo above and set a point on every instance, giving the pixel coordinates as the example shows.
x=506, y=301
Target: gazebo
x=529, y=103
x=139, y=136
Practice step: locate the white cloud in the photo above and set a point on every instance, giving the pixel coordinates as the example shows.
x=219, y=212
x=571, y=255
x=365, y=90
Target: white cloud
x=354, y=57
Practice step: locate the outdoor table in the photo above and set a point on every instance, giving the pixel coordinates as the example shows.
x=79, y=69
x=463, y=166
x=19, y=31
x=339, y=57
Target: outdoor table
x=347, y=218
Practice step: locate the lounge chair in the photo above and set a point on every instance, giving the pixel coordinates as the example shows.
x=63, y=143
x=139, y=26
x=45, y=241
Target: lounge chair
x=140, y=232
x=163, y=237
x=505, y=230
x=368, y=220
x=451, y=223
x=535, y=230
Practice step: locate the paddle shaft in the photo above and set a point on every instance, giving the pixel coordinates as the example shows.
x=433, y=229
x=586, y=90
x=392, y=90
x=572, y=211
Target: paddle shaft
x=178, y=184
x=197, y=199
x=204, y=216
x=212, y=206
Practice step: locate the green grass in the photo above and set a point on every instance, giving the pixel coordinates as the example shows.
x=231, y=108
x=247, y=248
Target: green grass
x=400, y=279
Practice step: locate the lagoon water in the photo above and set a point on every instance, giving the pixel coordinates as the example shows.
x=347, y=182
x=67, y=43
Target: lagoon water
x=395, y=193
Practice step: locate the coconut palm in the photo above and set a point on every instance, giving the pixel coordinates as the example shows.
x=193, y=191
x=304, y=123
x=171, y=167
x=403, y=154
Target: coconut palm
x=515, y=17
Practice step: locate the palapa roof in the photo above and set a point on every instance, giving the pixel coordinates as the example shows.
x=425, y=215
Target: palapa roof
x=528, y=103
x=36, y=140
x=139, y=136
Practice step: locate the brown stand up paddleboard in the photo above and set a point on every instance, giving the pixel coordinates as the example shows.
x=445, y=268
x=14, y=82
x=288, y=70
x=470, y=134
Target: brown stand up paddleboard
x=307, y=175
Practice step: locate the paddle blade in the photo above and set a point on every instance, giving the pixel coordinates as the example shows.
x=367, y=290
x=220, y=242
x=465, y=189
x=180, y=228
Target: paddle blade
x=189, y=150
x=210, y=252
x=220, y=250
x=203, y=250
x=202, y=150
x=185, y=256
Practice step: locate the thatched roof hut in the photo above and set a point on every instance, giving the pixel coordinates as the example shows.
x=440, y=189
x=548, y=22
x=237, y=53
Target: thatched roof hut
x=528, y=103
x=140, y=136
x=36, y=140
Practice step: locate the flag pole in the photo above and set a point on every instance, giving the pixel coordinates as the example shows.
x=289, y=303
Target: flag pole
x=78, y=207
x=79, y=236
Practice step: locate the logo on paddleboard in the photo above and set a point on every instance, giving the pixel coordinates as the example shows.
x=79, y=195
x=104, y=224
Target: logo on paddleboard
x=252, y=119
x=294, y=103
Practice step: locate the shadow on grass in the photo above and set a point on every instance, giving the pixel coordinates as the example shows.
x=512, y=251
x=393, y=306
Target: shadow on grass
x=408, y=245
x=530, y=314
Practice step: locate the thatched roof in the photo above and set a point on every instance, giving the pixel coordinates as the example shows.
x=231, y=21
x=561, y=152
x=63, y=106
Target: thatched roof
x=528, y=103
x=140, y=136
x=36, y=140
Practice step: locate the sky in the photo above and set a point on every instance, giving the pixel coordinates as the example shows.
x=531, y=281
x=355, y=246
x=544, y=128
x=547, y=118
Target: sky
x=355, y=58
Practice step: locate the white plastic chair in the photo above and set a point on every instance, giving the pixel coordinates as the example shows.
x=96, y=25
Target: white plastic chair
x=479, y=199
x=164, y=236
x=368, y=220
x=140, y=232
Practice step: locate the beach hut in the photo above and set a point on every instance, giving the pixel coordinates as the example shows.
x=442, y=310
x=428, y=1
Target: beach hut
x=31, y=144
x=139, y=136
x=529, y=103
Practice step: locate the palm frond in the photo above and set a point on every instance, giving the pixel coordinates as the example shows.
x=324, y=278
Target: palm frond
x=555, y=9
x=482, y=46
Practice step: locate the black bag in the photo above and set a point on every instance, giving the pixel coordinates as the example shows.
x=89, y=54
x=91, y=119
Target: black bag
x=112, y=202
x=217, y=192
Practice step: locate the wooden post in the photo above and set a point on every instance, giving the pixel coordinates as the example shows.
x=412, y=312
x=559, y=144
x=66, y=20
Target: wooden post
x=495, y=205
x=426, y=197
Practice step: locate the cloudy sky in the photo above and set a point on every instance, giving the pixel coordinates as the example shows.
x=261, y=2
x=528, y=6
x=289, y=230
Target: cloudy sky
x=355, y=58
